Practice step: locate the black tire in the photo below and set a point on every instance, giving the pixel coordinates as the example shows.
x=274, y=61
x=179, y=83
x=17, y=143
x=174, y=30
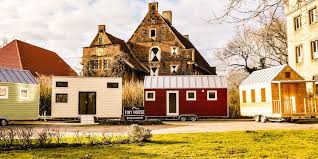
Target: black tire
x=183, y=118
x=257, y=118
x=3, y=122
x=194, y=118
x=263, y=119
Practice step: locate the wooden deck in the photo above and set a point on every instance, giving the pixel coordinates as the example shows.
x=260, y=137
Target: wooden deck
x=287, y=109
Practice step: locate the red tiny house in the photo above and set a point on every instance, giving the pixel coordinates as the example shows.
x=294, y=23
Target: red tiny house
x=174, y=96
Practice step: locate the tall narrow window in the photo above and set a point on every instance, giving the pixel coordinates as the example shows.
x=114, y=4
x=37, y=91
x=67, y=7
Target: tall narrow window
x=297, y=22
x=100, y=40
x=299, y=54
x=263, y=95
x=253, y=98
x=316, y=89
x=106, y=64
x=312, y=15
x=244, y=96
x=153, y=33
x=314, y=49
x=155, y=54
x=154, y=71
x=174, y=69
x=94, y=64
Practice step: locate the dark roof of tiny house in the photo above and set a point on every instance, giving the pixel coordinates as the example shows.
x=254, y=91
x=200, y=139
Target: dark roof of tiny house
x=17, y=76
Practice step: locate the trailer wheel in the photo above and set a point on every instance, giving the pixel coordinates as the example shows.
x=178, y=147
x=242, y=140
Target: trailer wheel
x=194, y=118
x=183, y=118
x=257, y=118
x=3, y=122
x=263, y=119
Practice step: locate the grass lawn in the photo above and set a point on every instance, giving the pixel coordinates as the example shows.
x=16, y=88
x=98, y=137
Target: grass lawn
x=261, y=144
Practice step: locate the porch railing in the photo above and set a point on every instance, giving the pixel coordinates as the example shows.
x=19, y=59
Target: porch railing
x=287, y=107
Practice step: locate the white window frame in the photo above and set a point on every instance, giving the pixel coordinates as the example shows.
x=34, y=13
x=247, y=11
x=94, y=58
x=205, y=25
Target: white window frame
x=212, y=99
x=297, y=22
x=192, y=99
x=106, y=59
x=24, y=89
x=155, y=33
x=314, y=45
x=150, y=99
x=91, y=64
x=299, y=51
x=313, y=16
x=7, y=92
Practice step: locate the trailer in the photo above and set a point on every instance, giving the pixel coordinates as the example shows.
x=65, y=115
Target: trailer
x=185, y=97
x=278, y=93
x=19, y=96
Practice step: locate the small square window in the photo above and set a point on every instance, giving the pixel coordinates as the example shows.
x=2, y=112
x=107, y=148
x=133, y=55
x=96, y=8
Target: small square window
x=150, y=95
x=4, y=92
x=191, y=95
x=287, y=74
x=112, y=85
x=61, y=84
x=61, y=98
x=24, y=94
x=153, y=33
x=212, y=95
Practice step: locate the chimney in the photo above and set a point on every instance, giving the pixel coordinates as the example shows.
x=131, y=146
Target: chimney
x=186, y=36
x=168, y=16
x=153, y=7
x=101, y=28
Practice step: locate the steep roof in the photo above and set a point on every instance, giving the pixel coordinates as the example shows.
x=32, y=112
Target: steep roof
x=17, y=76
x=263, y=76
x=21, y=55
x=185, y=82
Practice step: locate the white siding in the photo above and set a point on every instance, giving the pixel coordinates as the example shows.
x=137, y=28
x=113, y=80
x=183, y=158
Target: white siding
x=108, y=100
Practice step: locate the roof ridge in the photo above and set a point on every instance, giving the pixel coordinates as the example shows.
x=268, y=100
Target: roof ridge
x=35, y=46
x=18, y=52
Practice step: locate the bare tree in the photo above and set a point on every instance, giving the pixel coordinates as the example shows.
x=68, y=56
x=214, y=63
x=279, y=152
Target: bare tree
x=4, y=42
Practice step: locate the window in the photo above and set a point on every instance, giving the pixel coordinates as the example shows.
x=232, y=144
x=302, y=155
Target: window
x=297, y=22
x=61, y=98
x=316, y=88
x=174, y=69
x=263, y=95
x=61, y=84
x=312, y=15
x=314, y=49
x=4, y=92
x=244, y=96
x=150, y=95
x=253, y=99
x=212, y=95
x=191, y=95
x=299, y=54
x=174, y=50
x=106, y=63
x=112, y=85
x=155, y=54
x=287, y=74
x=94, y=64
x=24, y=93
x=153, y=33
x=100, y=40
x=154, y=71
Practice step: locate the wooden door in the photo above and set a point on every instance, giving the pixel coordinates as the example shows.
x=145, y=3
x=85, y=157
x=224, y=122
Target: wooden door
x=87, y=103
x=172, y=103
x=289, y=98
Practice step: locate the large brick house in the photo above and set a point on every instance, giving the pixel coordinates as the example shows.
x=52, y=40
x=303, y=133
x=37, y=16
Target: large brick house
x=156, y=48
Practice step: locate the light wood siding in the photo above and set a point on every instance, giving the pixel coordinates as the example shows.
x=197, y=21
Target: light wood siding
x=15, y=108
x=293, y=75
x=108, y=100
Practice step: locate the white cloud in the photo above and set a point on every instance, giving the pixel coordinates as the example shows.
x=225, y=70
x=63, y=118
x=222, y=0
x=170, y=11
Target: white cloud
x=65, y=26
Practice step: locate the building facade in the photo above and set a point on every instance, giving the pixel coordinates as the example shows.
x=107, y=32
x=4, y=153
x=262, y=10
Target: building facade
x=156, y=47
x=302, y=34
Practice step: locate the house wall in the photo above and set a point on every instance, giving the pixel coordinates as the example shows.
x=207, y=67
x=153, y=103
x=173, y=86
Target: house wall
x=108, y=100
x=258, y=107
x=309, y=67
x=200, y=107
x=16, y=108
x=293, y=75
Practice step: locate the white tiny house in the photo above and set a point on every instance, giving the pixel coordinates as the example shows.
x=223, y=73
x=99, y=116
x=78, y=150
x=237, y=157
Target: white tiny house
x=75, y=97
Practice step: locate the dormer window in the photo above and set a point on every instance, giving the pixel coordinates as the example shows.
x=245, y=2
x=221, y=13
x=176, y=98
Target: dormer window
x=299, y=54
x=153, y=33
x=174, y=50
x=155, y=54
x=174, y=69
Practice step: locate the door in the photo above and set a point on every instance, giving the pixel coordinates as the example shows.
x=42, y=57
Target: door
x=87, y=103
x=172, y=103
x=289, y=98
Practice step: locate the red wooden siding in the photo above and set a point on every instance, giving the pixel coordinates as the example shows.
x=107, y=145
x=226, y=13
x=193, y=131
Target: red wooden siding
x=200, y=107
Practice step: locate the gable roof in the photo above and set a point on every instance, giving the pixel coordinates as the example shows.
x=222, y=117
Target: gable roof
x=185, y=82
x=17, y=76
x=265, y=75
x=23, y=56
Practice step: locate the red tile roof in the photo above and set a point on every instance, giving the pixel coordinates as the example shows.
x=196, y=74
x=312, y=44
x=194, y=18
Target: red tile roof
x=20, y=55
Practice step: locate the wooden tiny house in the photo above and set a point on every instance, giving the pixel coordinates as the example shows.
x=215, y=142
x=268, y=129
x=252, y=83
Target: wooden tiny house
x=277, y=92
x=19, y=96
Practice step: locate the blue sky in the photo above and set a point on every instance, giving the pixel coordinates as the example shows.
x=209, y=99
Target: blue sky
x=65, y=26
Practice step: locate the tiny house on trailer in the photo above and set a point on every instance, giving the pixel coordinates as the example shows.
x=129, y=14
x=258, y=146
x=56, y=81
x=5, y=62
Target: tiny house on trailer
x=185, y=97
x=278, y=92
x=19, y=96
x=86, y=97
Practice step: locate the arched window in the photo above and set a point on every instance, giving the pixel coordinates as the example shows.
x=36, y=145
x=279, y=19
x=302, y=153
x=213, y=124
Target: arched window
x=155, y=54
